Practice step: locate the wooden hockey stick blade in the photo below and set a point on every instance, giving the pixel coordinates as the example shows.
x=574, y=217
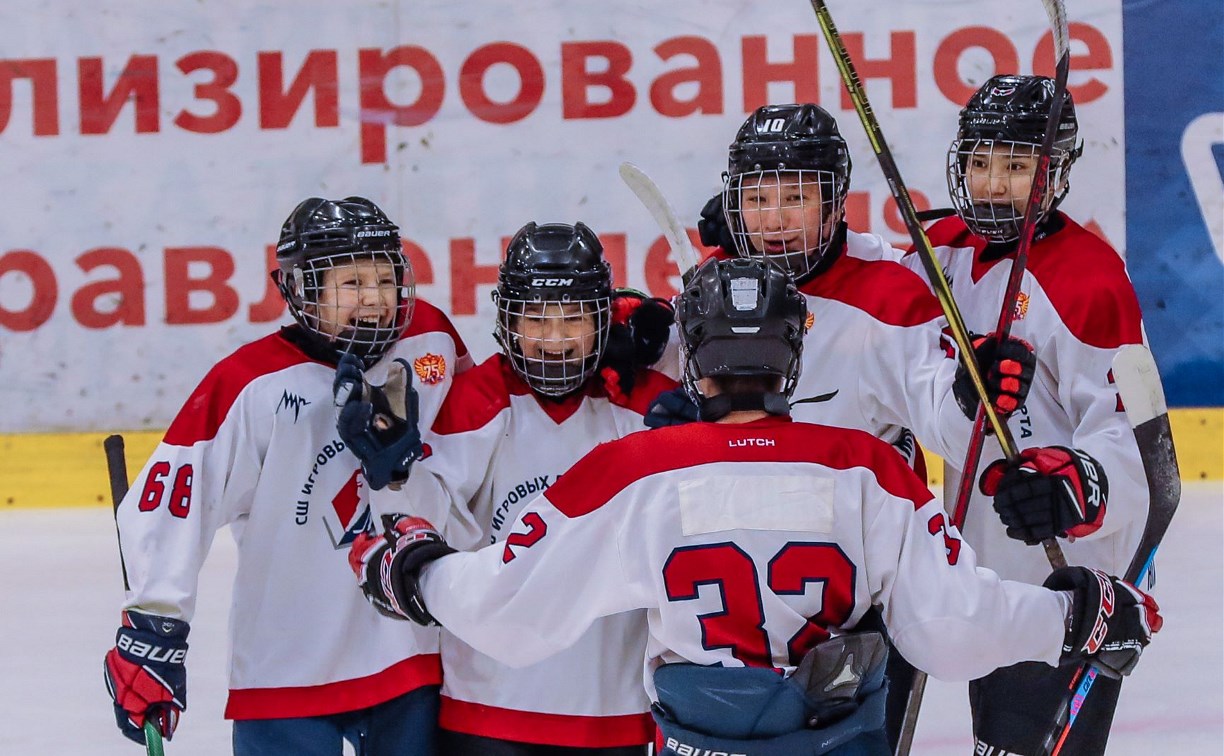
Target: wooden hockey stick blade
x=649, y=194
x=1058, y=24
x=1138, y=383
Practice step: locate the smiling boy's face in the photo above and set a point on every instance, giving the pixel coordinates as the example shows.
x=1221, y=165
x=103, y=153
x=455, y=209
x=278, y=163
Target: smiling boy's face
x=355, y=295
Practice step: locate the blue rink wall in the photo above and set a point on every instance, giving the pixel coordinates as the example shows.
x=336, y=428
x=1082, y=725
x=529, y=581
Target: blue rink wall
x=1174, y=104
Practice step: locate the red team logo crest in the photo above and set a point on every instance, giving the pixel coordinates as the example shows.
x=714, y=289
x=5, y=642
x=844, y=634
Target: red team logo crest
x=431, y=368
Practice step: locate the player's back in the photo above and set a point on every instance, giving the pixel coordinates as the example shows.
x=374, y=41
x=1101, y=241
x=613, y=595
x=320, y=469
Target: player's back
x=753, y=537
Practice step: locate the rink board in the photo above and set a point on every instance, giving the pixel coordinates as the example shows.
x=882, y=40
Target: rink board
x=69, y=469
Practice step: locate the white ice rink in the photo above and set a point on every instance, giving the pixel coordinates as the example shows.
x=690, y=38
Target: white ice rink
x=61, y=591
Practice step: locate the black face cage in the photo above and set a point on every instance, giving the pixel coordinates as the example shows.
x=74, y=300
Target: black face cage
x=782, y=224
x=532, y=336
x=1001, y=221
x=373, y=327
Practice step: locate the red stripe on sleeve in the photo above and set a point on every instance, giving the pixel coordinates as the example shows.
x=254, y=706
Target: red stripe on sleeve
x=1086, y=282
x=210, y=403
x=887, y=291
x=426, y=318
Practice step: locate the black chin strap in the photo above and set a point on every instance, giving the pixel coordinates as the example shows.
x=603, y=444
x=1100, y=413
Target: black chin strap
x=1051, y=224
x=717, y=407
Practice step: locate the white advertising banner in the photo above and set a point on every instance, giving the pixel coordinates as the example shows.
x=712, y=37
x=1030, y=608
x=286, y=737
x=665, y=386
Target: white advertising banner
x=152, y=151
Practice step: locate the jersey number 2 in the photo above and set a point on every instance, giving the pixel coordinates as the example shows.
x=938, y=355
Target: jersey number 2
x=740, y=626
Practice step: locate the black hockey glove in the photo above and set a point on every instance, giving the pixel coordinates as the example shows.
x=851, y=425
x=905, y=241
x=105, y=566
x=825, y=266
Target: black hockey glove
x=379, y=423
x=388, y=565
x=1007, y=370
x=146, y=673
x=674, y=407
x=641, y=327
x=1047, y=492
x=713, y=225
x=1110, y=620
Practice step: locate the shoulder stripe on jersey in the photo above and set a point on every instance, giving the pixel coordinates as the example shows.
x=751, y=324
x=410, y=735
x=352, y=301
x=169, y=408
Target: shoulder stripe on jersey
x=611, y=467
x=426, y=318
x=886, y=290
x=210, y=403
x=1086, y=282
x=474, y=399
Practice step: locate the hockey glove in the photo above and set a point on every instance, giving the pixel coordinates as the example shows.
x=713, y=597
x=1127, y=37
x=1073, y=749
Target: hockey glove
x=1110, y=620
x=1007, y=370
x=388, y=565
x=379, y=423
x=146, y=673
x=641, y=327
x=1047, y=492
x=674, y=407
x=713, y=225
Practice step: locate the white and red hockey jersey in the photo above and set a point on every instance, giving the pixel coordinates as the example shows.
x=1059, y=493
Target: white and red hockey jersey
x=255, y=447
x=494, y=446
x=746, y=544
x=874, y=352
x=1077, y=307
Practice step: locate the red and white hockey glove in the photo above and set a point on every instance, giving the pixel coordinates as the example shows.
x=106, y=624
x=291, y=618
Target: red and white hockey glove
x=146, y=673
x=1110, y=621
x=1007, y=370
x=1049, y=491
x=641, y=327
x=388, y=565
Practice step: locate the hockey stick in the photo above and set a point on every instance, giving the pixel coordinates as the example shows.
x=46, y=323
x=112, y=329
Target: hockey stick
x=939, y=284
x=1138, y=385
x=649, y=194
x=116, y=468
x=1007, y=313
x=905, y=205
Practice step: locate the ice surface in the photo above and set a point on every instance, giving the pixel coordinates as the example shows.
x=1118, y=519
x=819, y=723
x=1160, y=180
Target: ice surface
x=62, y=588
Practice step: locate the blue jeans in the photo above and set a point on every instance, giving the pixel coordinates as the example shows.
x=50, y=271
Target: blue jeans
x=403, y=726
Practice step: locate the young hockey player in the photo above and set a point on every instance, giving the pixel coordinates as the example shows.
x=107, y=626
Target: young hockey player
x=750, y=540
x=1078, y=307
x=566, y=380
x=878, y=358
x=255, y=447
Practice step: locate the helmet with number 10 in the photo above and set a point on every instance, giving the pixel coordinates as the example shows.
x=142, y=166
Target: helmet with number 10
x=788, y=172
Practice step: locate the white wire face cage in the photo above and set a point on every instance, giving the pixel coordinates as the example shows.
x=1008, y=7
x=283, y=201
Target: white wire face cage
x=1001, y=220
x=554, y=346
x=362, y=307
x=786, y=216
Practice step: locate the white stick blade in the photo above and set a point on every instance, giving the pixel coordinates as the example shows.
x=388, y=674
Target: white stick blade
x=661, y=210
x=1138, y=383
x=1058, y=23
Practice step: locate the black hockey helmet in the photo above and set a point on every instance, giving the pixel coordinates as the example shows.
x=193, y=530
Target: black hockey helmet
x=553, y=273
x=741, y=317
x=788, y=145
x=1008, y=116
x=322, y=234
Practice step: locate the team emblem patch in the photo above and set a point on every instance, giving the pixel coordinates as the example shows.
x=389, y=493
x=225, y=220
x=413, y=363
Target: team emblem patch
x=431, y=368
x=1022, y=303
x=808, y=322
